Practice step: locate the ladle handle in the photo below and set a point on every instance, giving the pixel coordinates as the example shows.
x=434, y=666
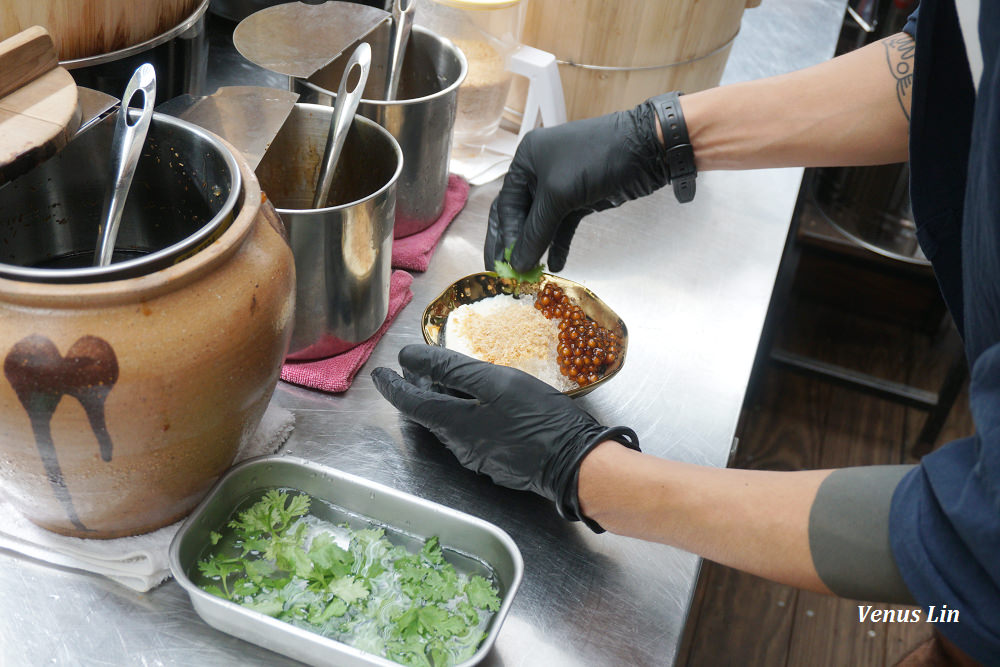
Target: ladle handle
x=344, y=108
x=402, y=21
x=126, y=146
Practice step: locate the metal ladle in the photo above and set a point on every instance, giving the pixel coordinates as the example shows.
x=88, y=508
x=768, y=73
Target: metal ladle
x=126, y=146
x=344, y=108
x=402, y=21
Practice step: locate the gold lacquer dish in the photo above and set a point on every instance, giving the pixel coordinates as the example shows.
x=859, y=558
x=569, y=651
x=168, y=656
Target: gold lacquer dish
x=478, y=286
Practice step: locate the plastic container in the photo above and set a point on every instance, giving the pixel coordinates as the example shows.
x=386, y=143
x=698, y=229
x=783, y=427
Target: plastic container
x=488, y=32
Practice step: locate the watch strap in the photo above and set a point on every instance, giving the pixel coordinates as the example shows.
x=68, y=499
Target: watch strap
x=677, y=151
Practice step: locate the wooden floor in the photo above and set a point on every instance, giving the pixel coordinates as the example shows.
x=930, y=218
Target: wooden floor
x=795, y=423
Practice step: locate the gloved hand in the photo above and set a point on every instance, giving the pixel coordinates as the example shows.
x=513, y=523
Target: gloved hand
x=560, y=174
x=514, y=428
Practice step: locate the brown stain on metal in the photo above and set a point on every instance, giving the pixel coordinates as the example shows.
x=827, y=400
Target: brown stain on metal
x=40, y=377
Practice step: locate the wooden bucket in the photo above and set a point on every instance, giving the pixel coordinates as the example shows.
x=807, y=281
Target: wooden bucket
x=614, y=54
x=84, y=28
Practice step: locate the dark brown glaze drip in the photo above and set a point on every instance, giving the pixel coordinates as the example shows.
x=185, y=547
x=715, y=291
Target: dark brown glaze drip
x=31, y=367
x=40, y=376
x=90, y=370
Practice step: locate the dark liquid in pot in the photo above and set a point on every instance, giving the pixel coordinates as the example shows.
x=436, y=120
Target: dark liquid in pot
x=85, y=259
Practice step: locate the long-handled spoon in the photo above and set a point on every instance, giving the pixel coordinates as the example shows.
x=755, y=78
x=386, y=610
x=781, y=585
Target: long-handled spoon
x=125, y=150
x=344, y=108
x=402, y=21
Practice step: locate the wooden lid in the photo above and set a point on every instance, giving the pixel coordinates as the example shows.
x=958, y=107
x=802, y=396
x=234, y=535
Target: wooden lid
x=38, y=102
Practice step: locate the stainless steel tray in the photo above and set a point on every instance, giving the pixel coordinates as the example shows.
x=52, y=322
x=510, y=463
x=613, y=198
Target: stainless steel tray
x=400, y=511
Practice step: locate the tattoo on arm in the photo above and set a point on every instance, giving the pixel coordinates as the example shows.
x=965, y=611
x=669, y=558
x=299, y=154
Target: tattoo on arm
x=899, y=55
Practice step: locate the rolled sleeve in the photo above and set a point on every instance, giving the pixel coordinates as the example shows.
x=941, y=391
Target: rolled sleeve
x=944, y=523
x=910, y=28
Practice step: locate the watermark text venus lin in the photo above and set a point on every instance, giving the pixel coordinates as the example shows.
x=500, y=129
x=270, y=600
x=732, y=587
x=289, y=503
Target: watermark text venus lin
x=933, y=615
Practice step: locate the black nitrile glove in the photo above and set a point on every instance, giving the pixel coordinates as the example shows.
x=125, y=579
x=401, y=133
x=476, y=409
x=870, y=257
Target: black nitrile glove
x=560, y=174
x=514, y=428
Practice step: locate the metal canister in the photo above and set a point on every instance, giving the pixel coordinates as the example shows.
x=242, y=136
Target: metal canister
x=343, y=253
x=421, y=119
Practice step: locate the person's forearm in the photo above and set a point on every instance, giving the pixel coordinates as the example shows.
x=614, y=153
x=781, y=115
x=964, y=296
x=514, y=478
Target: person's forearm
x=852, y=110
x=756, y=521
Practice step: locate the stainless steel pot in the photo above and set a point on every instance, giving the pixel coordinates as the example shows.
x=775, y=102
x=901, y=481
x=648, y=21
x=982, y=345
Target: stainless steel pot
x=871, y=206
x=343, y=253
x=180, y=56
x=421, y=120
x=185, y=192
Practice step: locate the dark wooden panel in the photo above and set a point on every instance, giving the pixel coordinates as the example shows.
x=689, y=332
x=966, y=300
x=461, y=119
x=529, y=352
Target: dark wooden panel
x=901, y=638
x=743, y=620
x=859, y=430
x=826, y=633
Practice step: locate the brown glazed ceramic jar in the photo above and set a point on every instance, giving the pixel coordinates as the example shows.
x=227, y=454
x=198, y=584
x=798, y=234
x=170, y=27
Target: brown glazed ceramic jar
x=122, y=402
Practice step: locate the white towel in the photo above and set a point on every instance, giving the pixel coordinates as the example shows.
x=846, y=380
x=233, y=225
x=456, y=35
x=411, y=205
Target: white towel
x=140, y=561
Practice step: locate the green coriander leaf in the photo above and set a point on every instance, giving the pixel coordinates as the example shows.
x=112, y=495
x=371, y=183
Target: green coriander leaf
x=432, y=551
x=299, y=506
x=216, y=566
x=440, y=585
x=271, y=608
x=468, y=612
x=260, y=570
x=329, y=560
x=254, y=545
x=482, y=594
x=408, y=623
x=504, y=270
x=348, y=589
x=468, y=649
x=409, y=651
x=440, y=622
x=320, y=613
x=245, y=588
x=438, y=652
x=214, y=537
x=301, y=564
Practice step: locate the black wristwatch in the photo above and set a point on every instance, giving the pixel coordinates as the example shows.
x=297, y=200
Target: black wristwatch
x=678, y=153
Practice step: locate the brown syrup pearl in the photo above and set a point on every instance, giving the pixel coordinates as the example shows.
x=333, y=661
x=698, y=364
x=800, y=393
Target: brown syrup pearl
x=585, y=348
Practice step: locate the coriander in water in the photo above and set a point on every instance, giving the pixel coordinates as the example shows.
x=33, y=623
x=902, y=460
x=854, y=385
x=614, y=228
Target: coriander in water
x=413, y=608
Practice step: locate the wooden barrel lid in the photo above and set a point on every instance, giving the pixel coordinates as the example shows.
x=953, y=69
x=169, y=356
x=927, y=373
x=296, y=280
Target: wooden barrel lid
x=38, y=102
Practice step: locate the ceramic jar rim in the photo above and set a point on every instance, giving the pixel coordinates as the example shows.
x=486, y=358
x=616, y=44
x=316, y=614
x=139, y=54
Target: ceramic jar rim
x=152, y=284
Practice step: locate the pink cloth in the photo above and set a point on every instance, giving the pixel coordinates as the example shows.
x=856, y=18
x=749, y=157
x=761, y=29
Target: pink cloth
x=414, y=252
x=336, y=373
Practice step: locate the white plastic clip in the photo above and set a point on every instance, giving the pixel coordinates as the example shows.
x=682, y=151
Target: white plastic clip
x=545, y=101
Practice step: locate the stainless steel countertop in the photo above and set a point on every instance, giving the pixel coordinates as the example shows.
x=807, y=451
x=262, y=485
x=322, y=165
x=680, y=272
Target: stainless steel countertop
x=586, y=599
